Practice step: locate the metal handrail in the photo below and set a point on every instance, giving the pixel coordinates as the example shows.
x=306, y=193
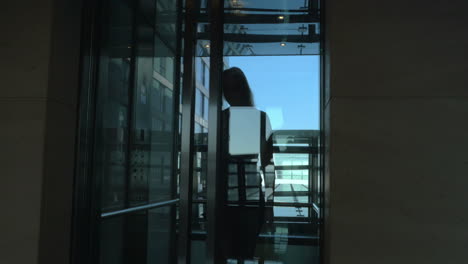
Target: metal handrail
x=281, y=204
x=199, y=234
x=139, y=208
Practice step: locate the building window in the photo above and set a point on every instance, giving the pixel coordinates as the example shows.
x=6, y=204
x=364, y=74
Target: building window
x=199, y=103
x=162, y=66
x=205, y=107
x=199, y=70
x=206, y=74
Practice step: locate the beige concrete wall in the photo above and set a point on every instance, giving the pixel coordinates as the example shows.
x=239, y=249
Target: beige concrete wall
x=39, y=51
x=396, y=126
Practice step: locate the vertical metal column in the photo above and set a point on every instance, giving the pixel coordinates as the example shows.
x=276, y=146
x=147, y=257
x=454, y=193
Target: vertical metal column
x=215, y=181
x=188, y=106
x=84, y=243
x=175, y=129
x=323, y=144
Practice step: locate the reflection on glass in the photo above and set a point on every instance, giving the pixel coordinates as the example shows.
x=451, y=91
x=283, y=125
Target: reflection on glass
x=111, y=158
x=142, y=237
x=200, y=133
x=137, y=111
x=135, y=155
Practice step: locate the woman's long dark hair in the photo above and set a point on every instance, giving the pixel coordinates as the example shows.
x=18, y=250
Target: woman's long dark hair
x=236, y=88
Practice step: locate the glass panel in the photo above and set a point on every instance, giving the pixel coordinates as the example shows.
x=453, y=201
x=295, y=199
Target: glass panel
x=137, y=117
x=113, y=107
x=141, y=237
x=152, y=153
x=136, y=125
x=271, y=131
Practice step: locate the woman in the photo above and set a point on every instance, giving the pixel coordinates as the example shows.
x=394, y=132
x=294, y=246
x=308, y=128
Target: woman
x=244, y=169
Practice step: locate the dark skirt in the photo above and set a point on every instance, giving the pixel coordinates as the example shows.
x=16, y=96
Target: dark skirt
x=241, y=227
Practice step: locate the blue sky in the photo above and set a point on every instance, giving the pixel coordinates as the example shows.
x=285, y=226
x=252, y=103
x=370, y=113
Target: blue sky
x=286, y=87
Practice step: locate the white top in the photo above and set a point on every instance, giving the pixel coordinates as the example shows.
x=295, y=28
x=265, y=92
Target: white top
x=244, y=130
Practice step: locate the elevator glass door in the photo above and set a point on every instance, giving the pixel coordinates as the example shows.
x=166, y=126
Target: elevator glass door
x=258, y=191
